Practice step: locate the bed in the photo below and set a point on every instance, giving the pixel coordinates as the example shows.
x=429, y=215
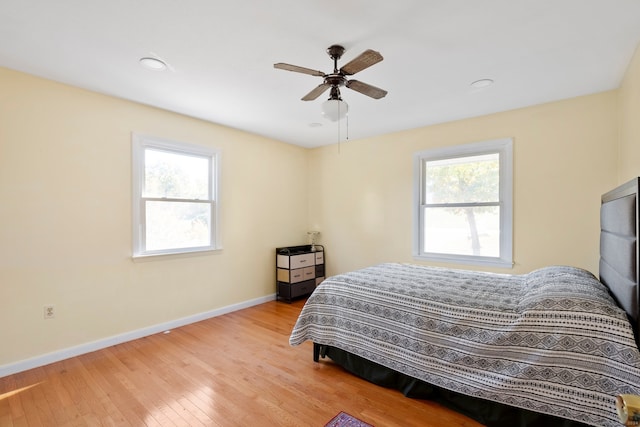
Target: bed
x=553, y=347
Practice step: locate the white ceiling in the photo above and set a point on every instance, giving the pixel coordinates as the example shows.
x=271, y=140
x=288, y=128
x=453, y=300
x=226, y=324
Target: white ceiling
x=221, y=56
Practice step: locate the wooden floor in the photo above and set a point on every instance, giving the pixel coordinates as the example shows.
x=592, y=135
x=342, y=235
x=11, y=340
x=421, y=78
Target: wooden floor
x=233, y=370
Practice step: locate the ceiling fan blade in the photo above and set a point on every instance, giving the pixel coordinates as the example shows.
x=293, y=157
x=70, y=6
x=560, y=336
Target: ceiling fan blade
x=366, y=89
x=365, y=60
x=316, y=92
x=295, y=68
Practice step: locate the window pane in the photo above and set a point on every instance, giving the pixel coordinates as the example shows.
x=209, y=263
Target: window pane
x=176, y=176
x=462, y=231
x=470, y=179
x=172, y=225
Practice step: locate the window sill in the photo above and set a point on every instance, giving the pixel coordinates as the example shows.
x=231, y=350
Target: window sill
x=176, y=254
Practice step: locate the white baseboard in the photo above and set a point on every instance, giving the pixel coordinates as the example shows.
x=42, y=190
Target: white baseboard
x=67, y=353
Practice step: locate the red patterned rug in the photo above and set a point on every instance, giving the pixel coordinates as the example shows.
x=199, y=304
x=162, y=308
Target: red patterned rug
x=345, y=420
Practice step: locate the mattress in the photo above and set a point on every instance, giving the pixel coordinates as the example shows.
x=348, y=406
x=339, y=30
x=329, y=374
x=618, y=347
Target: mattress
x=551, y=341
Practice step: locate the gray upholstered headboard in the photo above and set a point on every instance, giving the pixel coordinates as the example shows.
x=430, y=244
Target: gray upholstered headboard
x=619, y=248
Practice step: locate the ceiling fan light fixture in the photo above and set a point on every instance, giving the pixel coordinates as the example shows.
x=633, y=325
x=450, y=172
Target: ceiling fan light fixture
x=335, y=109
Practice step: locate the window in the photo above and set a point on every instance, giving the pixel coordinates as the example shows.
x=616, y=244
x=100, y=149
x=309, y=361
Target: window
x=463, y=204
x=175, y=203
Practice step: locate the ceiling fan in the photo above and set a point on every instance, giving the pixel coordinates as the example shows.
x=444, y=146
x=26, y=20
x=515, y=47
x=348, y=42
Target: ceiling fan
x=338, y=77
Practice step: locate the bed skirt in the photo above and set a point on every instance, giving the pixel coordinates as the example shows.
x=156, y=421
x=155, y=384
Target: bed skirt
x=490, y=414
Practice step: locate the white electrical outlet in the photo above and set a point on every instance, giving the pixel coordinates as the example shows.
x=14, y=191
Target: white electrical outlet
x=49, y=312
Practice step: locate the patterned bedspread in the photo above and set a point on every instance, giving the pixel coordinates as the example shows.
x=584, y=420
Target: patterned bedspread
x=551, y=341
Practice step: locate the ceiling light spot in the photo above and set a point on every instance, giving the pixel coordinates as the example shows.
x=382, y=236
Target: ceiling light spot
x=315, y=125
x=478, y=84
x=153, y=64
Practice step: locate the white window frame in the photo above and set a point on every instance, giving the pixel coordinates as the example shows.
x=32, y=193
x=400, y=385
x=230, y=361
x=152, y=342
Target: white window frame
x=139, y=144
x=504, y=147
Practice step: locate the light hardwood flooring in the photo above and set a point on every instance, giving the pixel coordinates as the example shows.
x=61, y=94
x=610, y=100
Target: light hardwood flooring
x=233, y=370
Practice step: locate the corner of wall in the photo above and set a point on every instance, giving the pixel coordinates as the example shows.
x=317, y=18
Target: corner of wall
x=628, y=106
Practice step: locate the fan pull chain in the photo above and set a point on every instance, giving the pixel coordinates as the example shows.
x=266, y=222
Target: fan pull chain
x=347, y=138
x=338, y=134
x=347, y=128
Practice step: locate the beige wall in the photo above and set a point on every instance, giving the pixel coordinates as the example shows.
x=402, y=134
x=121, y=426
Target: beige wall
x=565, y=157
x=630, y=121
x=65, y=219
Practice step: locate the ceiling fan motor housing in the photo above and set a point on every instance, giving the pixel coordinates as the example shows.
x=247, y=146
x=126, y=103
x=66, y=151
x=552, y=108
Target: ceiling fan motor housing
x=335, y=80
